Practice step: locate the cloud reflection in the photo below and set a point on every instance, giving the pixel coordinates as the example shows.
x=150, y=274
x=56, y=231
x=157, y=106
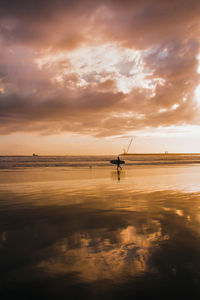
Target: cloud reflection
x=99, y=257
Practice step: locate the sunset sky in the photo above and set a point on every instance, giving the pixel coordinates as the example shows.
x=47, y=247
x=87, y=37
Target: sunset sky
x=84, y=76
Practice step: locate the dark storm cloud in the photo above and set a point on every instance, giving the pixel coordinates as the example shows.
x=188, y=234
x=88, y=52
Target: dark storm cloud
x=145, y=22
x=135, y=23
x=60, y=113
x=31, y=101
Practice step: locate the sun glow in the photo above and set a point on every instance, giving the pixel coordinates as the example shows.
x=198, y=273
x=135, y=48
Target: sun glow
x=197, y=95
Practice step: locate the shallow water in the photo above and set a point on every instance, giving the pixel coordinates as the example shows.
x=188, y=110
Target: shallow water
x=10, y=162
x=81, y=233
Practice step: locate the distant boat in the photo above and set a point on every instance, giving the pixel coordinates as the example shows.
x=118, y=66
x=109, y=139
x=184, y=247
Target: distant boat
x=34, y=154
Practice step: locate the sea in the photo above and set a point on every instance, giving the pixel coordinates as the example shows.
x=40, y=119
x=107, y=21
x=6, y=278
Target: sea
x=76, y=227
x=10, y=162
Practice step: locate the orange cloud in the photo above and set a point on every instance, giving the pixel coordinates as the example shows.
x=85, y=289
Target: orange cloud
x=98, y=67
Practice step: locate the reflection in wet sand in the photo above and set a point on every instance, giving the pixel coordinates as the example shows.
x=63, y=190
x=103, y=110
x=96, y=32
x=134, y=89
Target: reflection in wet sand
x=99, y=257
x=118, y=174
x=94, y=237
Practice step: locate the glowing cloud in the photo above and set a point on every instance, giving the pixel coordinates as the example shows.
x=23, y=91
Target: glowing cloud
x=98, y=68
x=93, y=65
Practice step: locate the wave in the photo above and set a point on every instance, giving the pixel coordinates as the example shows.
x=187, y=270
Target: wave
x=10, y=162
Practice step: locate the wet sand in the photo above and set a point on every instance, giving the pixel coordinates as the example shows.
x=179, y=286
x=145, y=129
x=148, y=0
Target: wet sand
x=97, y=234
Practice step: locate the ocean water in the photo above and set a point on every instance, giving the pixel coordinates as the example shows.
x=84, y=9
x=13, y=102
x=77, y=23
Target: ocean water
x=95, y=161
x=76, y=228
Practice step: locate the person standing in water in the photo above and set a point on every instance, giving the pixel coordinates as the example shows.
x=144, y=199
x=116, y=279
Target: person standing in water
x=118, y=163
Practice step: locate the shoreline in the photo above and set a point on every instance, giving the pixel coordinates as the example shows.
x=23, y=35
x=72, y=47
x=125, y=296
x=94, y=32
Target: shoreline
x=102, y=155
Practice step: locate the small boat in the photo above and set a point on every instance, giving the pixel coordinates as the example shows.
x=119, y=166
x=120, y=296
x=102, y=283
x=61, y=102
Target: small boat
x=34, y=154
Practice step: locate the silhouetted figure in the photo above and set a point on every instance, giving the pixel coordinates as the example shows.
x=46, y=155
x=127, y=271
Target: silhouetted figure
x=118, y=163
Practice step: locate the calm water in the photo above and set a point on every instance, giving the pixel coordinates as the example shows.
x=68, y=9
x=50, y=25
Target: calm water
x=68, y=231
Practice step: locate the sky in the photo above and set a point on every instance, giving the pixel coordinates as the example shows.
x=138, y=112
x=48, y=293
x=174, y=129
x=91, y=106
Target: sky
x=85, y=76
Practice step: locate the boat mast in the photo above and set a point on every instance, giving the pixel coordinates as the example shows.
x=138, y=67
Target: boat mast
x=126, y=151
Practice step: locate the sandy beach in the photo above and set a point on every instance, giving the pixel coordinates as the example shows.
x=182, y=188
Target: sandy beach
x=98, y=233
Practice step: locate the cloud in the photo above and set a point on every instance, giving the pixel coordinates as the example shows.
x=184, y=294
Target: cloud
x=100, y=68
